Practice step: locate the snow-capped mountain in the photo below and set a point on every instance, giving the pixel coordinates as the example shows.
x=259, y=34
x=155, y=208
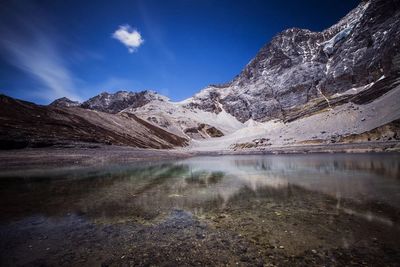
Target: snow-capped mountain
x=24, y=124
x=299, y=66
x=186, y=121
x=114, y=103
x=64, y=102
x=301, y=87
x=176, y=117
x=298, y=73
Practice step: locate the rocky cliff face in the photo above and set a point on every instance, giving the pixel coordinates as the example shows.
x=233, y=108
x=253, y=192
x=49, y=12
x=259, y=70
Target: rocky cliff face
x=114, y=103
x=299, y=65
x=64, y=102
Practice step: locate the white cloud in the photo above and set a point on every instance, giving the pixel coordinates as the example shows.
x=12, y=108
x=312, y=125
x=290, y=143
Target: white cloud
x=130, y=37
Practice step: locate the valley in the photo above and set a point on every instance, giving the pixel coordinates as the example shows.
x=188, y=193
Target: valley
x=295, y=161
x=302, y=89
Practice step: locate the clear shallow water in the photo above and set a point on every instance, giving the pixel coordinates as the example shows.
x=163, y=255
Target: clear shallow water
x=292, y=208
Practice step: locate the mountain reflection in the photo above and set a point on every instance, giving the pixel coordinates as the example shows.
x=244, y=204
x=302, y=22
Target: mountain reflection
x=146, y=191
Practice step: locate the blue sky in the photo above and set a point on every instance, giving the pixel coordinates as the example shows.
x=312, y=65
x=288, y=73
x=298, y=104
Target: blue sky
x=50, y=49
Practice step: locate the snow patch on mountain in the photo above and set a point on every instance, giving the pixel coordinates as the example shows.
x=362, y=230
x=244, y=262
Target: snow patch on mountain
x=177, y=116
x=330, y=44
x=116, y=102
x=344, y=33
x=339, y=121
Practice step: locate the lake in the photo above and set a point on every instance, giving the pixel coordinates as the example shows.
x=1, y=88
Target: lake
x=284, y=210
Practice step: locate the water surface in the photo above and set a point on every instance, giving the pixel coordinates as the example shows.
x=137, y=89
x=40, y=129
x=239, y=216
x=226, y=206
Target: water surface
x=327, y=209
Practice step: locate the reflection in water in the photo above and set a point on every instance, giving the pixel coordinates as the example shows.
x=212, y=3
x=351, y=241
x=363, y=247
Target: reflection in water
x=198, y=183
x=268, y=199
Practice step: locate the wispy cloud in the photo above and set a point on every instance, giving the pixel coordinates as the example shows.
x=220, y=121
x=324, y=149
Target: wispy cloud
x=41, y=61
x=129, y=36
x=28, y=45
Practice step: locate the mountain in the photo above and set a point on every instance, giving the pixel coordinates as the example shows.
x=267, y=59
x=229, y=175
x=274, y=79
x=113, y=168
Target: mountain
x=299, y=66
x=24, y=124
x=64, y=102
x=302, y=86
x=178, y=118
x=114, y=103
x=340, y=85
x=160, y=111
x=298, y=74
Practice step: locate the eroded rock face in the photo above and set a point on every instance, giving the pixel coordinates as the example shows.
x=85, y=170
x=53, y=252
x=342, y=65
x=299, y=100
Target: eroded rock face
x=210, y=130
x=114, y=103
x=207, y=100
x=299, y=65
x=203, y=131
x=387, y=132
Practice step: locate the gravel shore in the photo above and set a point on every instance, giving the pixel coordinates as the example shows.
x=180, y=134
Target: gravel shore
x=83, y=155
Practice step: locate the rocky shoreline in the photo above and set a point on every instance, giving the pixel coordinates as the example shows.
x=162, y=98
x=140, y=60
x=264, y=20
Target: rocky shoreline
x=365, y=147
x=80, y=155
x=85, y=155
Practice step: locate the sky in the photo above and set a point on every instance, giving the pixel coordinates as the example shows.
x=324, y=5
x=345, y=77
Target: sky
x=77, y=49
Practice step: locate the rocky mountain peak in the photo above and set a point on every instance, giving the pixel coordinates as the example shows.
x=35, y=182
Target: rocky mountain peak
x=64, y=102
x=299, y=65
x=120, y=100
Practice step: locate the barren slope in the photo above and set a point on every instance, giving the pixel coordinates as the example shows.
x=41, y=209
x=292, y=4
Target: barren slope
x=25, y=124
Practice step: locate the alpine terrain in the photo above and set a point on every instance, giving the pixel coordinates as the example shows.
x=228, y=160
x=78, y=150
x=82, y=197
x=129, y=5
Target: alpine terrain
x=302, y=89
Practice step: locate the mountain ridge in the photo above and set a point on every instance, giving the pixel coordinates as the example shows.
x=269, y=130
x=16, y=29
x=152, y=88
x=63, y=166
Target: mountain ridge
x=299, y=74
x=299, y=65
x=25, y=124
x=293, y=69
